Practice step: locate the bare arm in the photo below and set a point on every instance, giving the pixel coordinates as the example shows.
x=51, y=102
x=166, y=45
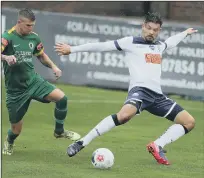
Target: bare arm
x=46, y=61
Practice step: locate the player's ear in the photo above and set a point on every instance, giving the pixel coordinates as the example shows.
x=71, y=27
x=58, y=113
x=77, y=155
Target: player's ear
x=18, y=21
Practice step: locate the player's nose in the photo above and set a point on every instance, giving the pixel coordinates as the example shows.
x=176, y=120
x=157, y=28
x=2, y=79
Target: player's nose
x=30, y=28
x=151, y=33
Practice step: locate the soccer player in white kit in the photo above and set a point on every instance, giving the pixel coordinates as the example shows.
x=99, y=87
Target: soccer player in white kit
x=143, y=56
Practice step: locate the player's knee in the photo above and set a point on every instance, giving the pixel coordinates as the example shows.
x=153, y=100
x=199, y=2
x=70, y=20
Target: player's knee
x=62, y=103
x=186, y=120
x=123, y=117
x=16, y=128
x=190, y=124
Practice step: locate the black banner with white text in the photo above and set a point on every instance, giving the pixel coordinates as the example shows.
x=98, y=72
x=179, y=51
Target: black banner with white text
x=182, y=66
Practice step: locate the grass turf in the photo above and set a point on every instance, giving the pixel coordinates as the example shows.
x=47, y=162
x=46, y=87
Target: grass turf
x=38, y=154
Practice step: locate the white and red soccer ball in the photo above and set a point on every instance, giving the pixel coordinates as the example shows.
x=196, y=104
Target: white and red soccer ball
x=102, y=158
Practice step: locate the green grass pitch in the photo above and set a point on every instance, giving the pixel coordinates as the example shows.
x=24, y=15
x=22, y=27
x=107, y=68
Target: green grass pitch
x=39, y=155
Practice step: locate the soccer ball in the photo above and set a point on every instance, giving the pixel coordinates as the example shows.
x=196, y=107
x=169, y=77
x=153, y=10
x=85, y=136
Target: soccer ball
x=102, y=158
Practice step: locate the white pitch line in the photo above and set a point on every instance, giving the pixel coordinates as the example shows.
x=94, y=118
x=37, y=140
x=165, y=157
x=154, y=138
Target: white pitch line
x=85, y=95
x=118, y=102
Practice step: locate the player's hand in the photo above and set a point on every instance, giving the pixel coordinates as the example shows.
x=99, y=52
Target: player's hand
x=190, y=31
x=10, y=60
x=57, y=72
x=62, y=49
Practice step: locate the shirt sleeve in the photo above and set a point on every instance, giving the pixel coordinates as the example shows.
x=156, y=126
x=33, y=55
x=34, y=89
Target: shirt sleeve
x=123, y=43
x=5, y=40
x=94, y=47
x=39, y=48
x=120, y=45
x=173, y=41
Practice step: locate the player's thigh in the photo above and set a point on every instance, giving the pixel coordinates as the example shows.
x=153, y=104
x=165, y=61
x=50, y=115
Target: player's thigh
x=42, y=92
x=165, y=107
x=138, y=99
x=17, y=110
x=184, y=118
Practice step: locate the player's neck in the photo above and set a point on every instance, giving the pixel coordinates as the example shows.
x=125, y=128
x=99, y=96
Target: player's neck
x=18, y=30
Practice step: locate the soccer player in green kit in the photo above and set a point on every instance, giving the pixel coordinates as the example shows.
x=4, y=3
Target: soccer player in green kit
x=18, y=46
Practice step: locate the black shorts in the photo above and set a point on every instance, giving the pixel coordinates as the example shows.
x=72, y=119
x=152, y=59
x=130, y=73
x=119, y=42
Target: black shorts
x=155, y=103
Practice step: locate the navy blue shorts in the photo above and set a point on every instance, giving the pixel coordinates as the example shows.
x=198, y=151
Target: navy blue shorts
x=155, y=103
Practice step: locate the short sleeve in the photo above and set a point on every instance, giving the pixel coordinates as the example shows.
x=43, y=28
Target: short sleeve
x=5, y=40
x=123, y=43
x=39, y=48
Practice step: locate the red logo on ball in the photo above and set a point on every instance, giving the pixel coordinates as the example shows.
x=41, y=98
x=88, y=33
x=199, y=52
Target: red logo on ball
x=100, y=158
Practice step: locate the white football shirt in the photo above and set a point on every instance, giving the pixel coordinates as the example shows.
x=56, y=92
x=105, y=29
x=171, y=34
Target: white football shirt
x=143, y=58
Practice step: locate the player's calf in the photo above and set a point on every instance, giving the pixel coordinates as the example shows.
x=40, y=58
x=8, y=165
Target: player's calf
x=102, y=127
x=186, y=120
x=11, y=136
x=60, y=115
x=184, y=123
x=126, y=113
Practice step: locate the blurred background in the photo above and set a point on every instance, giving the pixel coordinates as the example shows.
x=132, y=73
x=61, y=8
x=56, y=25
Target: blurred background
x=189, y=11
x=82, y=22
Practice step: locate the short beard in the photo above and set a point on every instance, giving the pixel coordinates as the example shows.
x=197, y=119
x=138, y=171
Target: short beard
x=149, y=40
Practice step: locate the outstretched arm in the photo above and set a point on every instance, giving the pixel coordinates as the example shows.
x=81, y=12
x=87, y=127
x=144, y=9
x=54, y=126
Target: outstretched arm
x=65, y=49
x=176, y=39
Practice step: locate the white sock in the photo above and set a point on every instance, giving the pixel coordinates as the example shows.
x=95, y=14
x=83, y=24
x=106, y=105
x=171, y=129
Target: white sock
x=104, y=126
x=172, y=134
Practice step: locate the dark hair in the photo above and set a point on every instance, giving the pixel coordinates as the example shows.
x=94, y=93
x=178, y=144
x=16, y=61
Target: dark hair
x=27, y=13
x=154, y=17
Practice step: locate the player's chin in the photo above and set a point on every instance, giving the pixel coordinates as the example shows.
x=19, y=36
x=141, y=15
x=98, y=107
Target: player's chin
x=28, y=32
x=149, y=39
